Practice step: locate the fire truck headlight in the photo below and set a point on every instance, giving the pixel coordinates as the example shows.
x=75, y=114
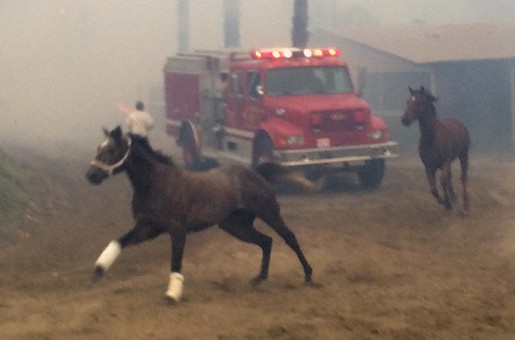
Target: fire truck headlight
x=376, y=134
x=280, y=112
x=292, y=140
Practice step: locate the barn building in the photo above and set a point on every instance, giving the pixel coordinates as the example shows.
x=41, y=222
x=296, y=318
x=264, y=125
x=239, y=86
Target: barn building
x=469, y=67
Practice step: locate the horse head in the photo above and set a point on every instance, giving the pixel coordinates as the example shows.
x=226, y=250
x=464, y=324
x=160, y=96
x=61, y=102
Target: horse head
x=111, y=156
x=420, y=104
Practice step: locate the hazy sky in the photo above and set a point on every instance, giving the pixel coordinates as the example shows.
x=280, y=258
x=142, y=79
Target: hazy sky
x=65, y=64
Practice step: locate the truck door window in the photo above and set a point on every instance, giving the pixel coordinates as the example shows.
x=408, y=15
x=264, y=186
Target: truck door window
x=237, y=84
x=254, y=82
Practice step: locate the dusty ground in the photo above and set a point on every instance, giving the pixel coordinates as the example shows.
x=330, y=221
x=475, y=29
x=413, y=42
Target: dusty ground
x=393, y=265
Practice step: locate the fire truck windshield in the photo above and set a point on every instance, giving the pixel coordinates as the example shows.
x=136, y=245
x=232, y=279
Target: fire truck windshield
x=298, y=81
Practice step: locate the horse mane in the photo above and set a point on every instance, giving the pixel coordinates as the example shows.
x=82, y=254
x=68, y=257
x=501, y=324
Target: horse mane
x=154, y=154
x=427, y=94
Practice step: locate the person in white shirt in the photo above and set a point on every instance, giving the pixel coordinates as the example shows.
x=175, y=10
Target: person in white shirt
x=140, y=123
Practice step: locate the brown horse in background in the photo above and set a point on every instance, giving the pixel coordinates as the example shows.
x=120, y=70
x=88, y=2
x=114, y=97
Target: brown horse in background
x=440, y=143
x=170, y=200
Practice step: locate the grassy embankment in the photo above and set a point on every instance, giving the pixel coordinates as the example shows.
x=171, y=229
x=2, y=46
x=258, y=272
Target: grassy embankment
x=13, y=194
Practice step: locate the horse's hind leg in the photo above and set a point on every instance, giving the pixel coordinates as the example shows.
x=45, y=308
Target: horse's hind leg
x=464, y=163
x=277, y=223
x=240, y=225
x=452, y=194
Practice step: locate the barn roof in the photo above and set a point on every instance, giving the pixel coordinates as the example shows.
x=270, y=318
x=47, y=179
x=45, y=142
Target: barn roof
x=436, y=43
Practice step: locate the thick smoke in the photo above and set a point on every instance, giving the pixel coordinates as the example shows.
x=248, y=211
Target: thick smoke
x=69, y=65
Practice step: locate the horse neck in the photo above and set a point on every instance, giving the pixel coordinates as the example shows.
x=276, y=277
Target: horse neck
x=428, y=125
x=142, y=170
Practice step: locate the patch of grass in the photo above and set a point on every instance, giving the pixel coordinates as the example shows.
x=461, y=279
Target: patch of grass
x=13, y=193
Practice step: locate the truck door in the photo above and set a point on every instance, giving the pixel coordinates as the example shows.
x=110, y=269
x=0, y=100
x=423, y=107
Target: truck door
x=252, y=114
x=244, y=110
x=234, y=100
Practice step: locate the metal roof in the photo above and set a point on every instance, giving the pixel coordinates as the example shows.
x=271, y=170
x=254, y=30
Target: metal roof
x=437, y=43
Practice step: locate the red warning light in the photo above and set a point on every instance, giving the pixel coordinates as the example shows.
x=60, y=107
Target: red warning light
x=287, y=53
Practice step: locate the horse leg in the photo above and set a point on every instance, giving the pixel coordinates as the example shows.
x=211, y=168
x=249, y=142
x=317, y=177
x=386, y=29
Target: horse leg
x=240, y=225
x=445, y=181
x=431, y=178
x=141, y=232
x=175, y=284
x=464, y=163
x=277, y=223
x=452, y=194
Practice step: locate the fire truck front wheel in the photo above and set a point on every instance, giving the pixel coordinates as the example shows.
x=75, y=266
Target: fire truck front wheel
x=263, y=151
x=188, y=143
x=371, y=174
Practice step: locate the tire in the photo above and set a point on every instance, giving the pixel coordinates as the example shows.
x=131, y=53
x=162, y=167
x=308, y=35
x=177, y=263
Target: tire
x=371, y=174
x=190, y=149
x=263, y=151
x=313, y=174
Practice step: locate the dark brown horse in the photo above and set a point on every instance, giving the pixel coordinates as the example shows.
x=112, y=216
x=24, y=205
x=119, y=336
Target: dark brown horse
x=440, y=143
x=168, y=199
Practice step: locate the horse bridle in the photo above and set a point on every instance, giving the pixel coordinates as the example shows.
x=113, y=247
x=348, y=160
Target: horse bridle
x=110, y=168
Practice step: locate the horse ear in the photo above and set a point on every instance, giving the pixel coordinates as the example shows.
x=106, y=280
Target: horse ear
x=411, y=90
x=422, y=89
x=117, y=132
x=106, y=131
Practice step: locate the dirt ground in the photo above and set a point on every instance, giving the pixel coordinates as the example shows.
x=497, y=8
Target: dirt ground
x=392, y=264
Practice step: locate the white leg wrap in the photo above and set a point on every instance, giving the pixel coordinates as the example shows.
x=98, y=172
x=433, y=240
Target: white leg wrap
x=106, y=259
x=174, y=291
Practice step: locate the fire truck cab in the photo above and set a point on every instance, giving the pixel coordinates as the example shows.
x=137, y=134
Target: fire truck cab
x=294, y=107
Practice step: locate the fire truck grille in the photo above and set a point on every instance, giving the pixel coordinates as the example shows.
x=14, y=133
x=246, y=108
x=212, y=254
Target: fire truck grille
x=334, y=121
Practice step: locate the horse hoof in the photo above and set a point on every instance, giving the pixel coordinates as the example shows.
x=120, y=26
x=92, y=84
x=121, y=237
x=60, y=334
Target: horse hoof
x=312, y=284
x=97, y=274
x=171, y=301
x=464, y=214
x=256, y=281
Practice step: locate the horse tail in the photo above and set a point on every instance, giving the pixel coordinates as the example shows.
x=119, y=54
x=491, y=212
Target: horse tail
x=274, y=172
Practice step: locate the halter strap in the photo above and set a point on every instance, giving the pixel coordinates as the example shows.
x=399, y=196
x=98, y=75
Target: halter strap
x=109, y=168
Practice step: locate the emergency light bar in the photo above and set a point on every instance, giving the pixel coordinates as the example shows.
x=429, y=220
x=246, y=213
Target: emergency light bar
x=288, y=53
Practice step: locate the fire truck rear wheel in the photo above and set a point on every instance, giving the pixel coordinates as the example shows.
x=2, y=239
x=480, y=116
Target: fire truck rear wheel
x=263, y=151
x=371, y=174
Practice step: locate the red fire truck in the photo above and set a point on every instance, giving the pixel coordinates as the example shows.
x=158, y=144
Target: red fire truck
x=294, y=107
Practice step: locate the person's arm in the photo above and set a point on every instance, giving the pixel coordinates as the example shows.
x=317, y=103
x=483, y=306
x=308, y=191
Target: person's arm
x=150, y=122
x=128, y=122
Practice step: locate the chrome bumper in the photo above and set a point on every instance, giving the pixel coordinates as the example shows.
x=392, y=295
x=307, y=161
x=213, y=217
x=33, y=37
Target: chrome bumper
x=334, y=155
